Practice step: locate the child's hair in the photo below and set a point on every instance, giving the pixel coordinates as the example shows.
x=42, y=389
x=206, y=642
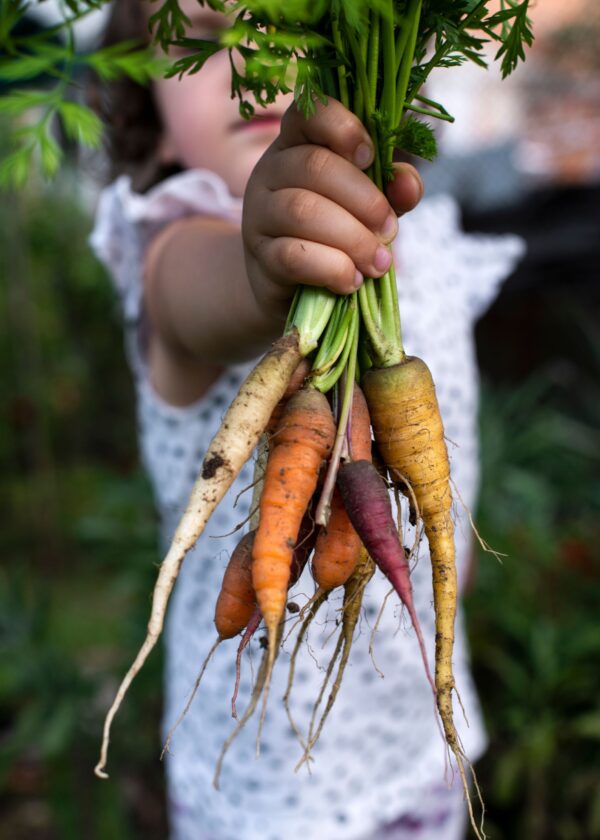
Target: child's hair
x=128, y=109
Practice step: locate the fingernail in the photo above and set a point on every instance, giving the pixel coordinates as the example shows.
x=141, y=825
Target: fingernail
x=358, y=280
x=390, y=228
x=363, y=155
x=383, y=258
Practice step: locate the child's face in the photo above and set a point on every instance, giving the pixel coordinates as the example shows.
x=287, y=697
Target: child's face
x=203, y=127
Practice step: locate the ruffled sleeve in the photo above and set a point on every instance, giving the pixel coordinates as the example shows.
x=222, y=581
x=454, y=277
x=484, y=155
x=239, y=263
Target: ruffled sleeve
x=127, y=221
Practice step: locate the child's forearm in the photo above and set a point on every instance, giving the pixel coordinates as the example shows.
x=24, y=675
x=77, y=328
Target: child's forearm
x=198, y=297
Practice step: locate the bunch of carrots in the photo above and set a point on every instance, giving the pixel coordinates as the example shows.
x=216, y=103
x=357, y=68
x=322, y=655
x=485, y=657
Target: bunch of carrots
x=339, y=376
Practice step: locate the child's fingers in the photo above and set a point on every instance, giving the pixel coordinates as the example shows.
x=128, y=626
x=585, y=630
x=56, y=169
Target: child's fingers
x=290, y=261
x=331, y=125
x=406, y=190
x=306, y=215
x=319, y=170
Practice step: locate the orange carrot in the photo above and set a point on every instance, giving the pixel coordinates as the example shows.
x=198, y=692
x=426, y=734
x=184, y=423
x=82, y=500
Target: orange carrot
x=338, y=545
x=302, y=441
x=304, y=546
x=237, y=600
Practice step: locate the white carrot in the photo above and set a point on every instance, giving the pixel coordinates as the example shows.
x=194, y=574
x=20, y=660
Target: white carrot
x=239, y=433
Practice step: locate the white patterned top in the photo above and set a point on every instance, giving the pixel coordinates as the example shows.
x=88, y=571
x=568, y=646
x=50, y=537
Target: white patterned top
x=380, y=746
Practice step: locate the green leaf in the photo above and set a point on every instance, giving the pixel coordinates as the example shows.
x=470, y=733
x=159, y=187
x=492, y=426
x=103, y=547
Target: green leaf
x=50, y=153
x=416, y=138
x=201, y=51
x=26, y=67
x=81, y=124
x=15, y=167
x=11, y=12
x=123, y=59
x=169, y=23
x=514, y=38
x=19, y=101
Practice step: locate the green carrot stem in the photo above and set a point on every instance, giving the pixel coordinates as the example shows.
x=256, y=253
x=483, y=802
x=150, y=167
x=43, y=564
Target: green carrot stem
x=377, y=339
x=337, y=40
x=329, y=336
x=372, y=57
x=388, y=95
x=325, y=381
x=324, y=505
x=401, y=41
x=329, y=353
x=445, y=48
x=396, y=309
x=435, y=114
x=413, y=16
x=310, y=314
x=436, y=106
x=373, y=301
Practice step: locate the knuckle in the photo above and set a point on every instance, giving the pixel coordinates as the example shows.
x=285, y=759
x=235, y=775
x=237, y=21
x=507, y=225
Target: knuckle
x=258, y=247
x=342, y=273
x=292, y=256
x=364, y=248
x=302, y=206
x=317, y=160
x=377, y=209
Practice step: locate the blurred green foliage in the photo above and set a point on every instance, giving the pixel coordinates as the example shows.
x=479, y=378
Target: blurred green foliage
x=78, y=540
x=533, y=618
x=79, y=554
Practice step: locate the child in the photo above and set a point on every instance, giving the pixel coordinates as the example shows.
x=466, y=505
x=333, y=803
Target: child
x=202, y=298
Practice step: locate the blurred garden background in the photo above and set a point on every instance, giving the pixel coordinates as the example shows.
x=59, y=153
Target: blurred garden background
x=78, y=541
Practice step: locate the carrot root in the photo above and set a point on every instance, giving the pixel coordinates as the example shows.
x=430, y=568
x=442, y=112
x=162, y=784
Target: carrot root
x=316, y=605
x=190, y=699
x=353, y=598
x=256, y=693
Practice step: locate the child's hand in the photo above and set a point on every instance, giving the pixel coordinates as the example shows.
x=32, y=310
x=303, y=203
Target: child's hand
x=312, y=216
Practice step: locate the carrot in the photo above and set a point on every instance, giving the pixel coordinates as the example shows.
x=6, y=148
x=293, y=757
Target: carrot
x=410, y=436
x=303, y=440
x=337, y=548
x=236, y=608
x=368, y=504
x=250, y=630
x=338, y=545
x=237, y=600
x=304, y=546
x=228, y=451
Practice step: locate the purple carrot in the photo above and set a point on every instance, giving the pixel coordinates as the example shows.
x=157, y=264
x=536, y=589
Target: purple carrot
x=368, y=505
x=250, y=630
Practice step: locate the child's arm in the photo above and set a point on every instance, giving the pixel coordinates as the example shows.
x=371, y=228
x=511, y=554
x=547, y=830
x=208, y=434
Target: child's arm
x=215, y=296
